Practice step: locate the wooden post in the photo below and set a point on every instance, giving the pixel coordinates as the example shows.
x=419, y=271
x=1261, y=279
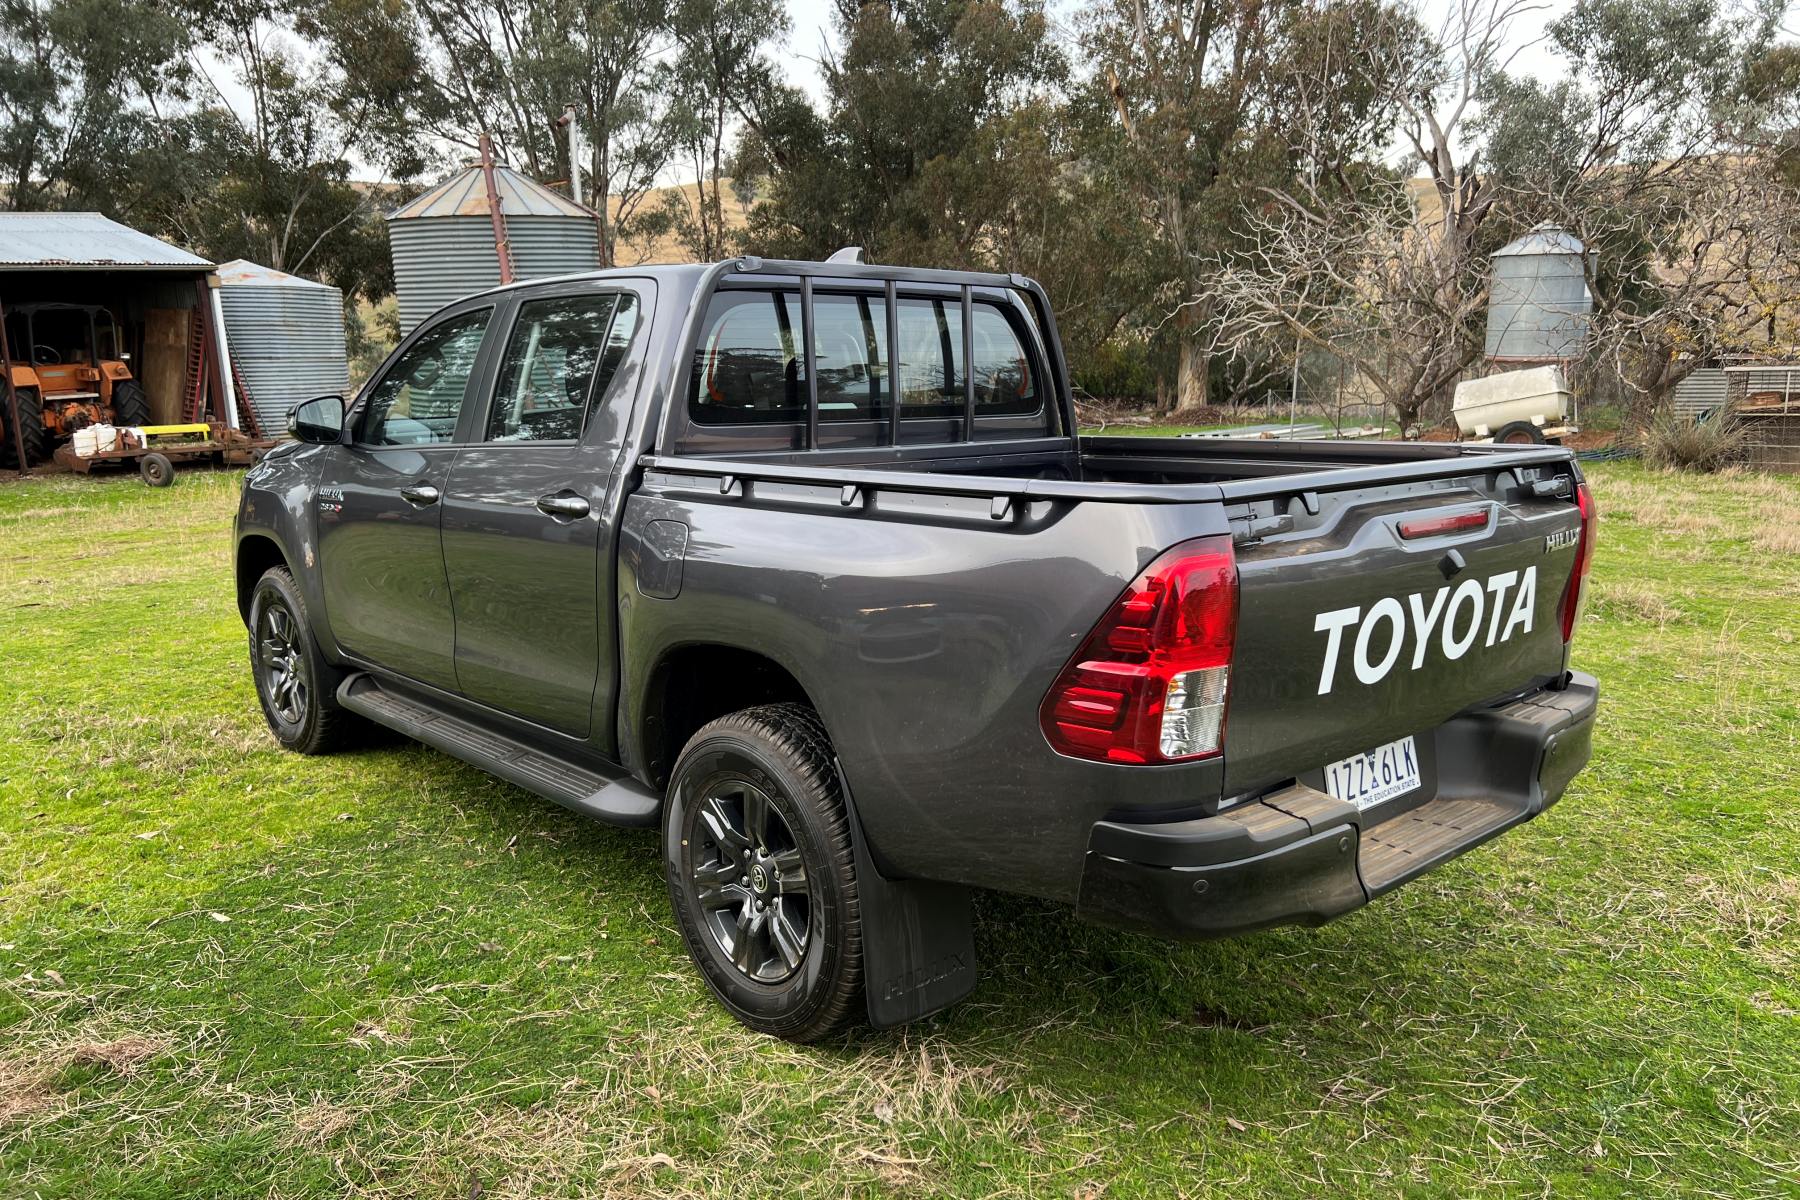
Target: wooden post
x=502, y=247
x=12, y=395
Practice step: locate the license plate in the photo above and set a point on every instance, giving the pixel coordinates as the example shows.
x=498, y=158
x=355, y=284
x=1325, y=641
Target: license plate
x=1368, y=778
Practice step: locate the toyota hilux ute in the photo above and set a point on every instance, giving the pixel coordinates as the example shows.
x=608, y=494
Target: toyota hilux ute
x=807, y=566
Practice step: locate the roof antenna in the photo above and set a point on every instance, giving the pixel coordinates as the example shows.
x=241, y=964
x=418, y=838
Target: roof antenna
x=849, y=254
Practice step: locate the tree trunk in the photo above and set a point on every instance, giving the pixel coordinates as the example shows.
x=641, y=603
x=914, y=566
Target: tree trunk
x=1190, y=382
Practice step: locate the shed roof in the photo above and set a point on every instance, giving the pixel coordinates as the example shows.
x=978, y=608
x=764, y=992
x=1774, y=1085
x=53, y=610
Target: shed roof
x=72, y=241
x=465, y=195
x=241, y=272
x=1545, y=239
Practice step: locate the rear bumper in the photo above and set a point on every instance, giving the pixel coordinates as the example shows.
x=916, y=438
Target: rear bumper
x=1297, y=856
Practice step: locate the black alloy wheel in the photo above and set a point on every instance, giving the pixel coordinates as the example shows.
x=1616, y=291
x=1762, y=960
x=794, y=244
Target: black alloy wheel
x=751, y=883
x=295, y=686
x=761, y=872
x=282, y=677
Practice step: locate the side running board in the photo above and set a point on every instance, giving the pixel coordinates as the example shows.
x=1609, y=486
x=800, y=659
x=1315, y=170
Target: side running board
x=619, y=800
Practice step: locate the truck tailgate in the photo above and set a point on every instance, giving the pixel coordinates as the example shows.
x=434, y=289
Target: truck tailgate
x=1371, y=614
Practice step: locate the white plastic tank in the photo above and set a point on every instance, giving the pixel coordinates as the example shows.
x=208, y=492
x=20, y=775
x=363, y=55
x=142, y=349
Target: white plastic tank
x=1537, y=396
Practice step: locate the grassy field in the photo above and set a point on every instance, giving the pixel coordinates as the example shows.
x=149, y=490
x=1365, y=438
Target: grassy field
x=228, y=972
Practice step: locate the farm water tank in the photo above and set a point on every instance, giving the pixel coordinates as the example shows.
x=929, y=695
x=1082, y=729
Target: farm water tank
x=443, y=242
x=286, y=335
x=1539, y=305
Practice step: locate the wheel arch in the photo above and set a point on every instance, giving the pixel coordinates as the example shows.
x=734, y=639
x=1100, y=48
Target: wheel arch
x=256, y=554
x=696, y=682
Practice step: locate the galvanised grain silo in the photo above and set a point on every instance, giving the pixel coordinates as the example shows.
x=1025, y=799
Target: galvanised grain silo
x=286, y=336
x=1538, y=308
x=444, y=248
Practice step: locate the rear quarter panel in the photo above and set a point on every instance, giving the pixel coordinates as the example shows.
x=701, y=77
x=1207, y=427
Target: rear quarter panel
x=927, y=635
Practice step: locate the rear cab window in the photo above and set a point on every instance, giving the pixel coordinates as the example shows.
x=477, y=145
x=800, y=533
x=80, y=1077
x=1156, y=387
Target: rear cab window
x=748, y=367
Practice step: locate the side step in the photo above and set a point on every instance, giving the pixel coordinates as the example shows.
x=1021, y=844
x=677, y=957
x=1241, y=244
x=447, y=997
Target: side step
x=619, y=800
x=1412, y=843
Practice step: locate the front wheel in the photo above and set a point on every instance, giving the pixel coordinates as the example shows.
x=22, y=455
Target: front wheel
x=756, y=847
x=294, y=683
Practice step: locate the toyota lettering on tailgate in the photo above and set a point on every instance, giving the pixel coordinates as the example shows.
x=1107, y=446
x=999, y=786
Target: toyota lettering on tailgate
x=1383, y=632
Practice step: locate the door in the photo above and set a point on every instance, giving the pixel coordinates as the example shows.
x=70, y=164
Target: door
x=386, y=593
x=525, y=546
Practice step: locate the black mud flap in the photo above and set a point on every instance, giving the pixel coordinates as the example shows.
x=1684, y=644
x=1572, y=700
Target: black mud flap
x=918, y=938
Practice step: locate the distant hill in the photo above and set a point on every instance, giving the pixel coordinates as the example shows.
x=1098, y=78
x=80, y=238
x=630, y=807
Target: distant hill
x=635, y=252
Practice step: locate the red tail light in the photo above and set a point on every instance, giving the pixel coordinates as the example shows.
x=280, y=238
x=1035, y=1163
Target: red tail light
x=1149, y=683
x=1575, y=595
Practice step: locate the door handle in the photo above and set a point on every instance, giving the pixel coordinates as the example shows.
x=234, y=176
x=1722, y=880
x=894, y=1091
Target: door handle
x=420, y=494
x=562, y=504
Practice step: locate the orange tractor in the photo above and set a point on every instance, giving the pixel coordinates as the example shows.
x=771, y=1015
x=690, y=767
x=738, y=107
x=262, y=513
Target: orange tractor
x=68, y=370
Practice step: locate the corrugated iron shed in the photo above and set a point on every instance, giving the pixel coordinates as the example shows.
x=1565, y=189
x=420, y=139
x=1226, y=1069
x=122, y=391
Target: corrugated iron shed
x=465, y=195
x=53, y=241
x=243, y=271
x=287, y=338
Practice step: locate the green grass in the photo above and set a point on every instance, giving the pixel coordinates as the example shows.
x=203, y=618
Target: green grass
x=227, y=971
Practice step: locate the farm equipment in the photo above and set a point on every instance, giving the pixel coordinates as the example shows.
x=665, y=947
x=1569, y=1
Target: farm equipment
x=155, y=449
x=69, y=372
x=1514, y=407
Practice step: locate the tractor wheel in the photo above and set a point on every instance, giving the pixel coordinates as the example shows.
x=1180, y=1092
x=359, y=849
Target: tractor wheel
x=129, y=403
x=31, y=425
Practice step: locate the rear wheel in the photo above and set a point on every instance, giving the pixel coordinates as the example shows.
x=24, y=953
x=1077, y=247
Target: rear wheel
x=32, y=434
x=1520, y=433
x=756, y=847
x=294, y=683
x=129, y=403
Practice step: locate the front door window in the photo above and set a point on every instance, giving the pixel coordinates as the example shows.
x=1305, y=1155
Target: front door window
x=418, y=401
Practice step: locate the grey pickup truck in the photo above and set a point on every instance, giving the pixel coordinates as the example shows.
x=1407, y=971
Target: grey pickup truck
x=807, y=566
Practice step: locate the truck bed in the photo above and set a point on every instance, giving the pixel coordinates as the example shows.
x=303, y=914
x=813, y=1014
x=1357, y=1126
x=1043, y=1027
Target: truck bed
x=960, y=579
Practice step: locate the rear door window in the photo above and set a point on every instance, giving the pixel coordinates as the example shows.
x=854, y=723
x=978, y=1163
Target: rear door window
x=560, y=357
x=417, y=402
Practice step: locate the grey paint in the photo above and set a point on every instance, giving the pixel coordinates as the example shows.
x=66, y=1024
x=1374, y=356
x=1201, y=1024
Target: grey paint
x=287, y=339
x=1539, y=303
x=925, y=613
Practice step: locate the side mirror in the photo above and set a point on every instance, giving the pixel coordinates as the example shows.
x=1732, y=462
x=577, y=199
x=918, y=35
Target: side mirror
x=319, y=421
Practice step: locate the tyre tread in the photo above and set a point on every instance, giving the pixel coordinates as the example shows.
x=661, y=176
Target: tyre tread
x=795, y=733
x=334, y=728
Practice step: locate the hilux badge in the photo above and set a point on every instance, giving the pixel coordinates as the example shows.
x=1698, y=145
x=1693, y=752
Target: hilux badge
x=1562, y=539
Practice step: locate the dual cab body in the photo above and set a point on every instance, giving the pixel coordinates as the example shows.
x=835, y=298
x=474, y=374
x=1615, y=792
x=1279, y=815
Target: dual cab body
x=688, y=546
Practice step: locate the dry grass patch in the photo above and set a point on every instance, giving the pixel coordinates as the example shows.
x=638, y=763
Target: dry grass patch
x=1778, y=536
x=314, y=1124
x=30, y=1075
x=1629, y=600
